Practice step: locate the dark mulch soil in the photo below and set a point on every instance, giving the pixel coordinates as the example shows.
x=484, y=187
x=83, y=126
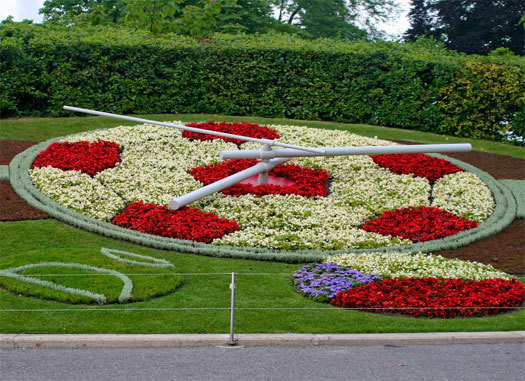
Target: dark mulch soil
x=504, y=251
x=14, y=208
x=11, y=148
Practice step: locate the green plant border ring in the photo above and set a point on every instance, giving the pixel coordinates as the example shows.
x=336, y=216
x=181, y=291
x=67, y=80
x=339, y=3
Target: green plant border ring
x=503, y=215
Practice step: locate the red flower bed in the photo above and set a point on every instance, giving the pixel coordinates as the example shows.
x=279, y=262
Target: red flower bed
x=251, y=130
x=184, y=223
x=434, y=297
x=419, y=224
x=307, y=182
x=87, y=157
x=418, y=164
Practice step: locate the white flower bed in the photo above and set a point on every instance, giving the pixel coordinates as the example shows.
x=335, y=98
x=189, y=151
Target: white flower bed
x=402, y=265
x=463, y=194
x=78, y=191
x=154, y=169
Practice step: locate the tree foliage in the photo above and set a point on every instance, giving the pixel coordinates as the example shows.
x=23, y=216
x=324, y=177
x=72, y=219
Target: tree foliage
x=350, y=19
x=334, y=18
x=470, y=26
x=73, y=11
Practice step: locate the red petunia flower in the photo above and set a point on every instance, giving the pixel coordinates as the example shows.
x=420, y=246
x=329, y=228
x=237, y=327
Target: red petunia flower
x=251, y=130
x=87, y=157
x=307, y=182
x=185, y=223
x=418, y=164
x=419, y=224
x=434, y=297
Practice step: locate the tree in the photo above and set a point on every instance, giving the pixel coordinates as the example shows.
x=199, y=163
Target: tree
x=332, y=18
x=421, y=22
x=254, y=16
x=473, y=26
x=329, y=18
x=205, y=17
x=157, y=16
x=193, y=17
x=93, y=11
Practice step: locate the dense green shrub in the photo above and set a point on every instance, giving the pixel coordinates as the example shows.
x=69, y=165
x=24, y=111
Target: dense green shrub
x=118, y=70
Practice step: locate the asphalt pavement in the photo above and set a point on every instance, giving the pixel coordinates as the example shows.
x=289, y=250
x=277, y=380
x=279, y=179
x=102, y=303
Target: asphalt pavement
x=386, y=362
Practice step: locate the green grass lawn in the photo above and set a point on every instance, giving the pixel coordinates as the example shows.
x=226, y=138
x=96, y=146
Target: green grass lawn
x=52, y=241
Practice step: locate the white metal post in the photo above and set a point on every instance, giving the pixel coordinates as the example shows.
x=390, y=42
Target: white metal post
x=232, y=340
x=263, y=176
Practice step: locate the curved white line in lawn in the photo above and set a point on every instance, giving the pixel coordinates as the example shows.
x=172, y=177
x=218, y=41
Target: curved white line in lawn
x=124, y=296
x=155, y=262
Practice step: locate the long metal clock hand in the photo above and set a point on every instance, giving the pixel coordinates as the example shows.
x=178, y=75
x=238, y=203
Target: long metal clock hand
x=272, y=157
x=265, y=142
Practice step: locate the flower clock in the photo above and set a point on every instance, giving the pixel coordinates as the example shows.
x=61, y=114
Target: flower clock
x=128, y=175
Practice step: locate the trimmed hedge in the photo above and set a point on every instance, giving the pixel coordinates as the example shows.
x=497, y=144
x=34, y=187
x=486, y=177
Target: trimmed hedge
x=119, y=70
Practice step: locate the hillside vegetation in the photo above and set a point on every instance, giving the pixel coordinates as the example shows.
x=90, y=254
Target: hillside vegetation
x=417, y=86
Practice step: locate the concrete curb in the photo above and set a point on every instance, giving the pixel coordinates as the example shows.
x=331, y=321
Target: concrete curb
x=288, y=339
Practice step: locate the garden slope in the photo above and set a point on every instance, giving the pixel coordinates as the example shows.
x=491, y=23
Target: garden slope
x=503, y=250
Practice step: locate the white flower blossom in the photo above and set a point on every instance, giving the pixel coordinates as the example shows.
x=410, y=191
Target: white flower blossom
x=403, y=265
x=463, y=194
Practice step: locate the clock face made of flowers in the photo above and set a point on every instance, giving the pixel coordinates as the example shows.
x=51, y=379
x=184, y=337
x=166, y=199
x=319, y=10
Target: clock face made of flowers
x=128, y=175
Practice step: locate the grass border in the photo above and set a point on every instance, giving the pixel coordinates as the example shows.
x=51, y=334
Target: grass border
x=504, y=213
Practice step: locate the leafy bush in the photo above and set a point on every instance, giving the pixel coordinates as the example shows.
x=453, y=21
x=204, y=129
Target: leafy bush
x=120, y=70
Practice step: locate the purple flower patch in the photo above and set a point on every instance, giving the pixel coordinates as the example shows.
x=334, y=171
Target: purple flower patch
x=322, y=281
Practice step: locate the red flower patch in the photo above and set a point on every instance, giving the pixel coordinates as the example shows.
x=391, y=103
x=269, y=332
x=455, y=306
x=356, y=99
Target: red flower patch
x=418, y=164
x=307, y=182
x=251, y=130
x=185, y=223
x=434, y=297
x=419, y=224
x=87, y=157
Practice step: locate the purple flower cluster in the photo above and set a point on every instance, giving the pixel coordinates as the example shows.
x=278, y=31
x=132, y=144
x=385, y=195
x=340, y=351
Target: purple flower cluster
x=322, y=281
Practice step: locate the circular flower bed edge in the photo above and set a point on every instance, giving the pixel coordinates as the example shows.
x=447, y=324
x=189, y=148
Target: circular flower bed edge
x=503, y=215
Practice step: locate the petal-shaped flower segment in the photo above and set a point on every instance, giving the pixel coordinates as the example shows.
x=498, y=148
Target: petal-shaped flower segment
x=87, y=157
x=185, y=223
x=251, y=130
x=418, y=164
x=419, y=224
x=306, y=182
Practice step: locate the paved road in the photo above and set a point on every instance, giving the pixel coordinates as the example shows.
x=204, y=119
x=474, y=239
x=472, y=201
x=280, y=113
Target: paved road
x=417, y=362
